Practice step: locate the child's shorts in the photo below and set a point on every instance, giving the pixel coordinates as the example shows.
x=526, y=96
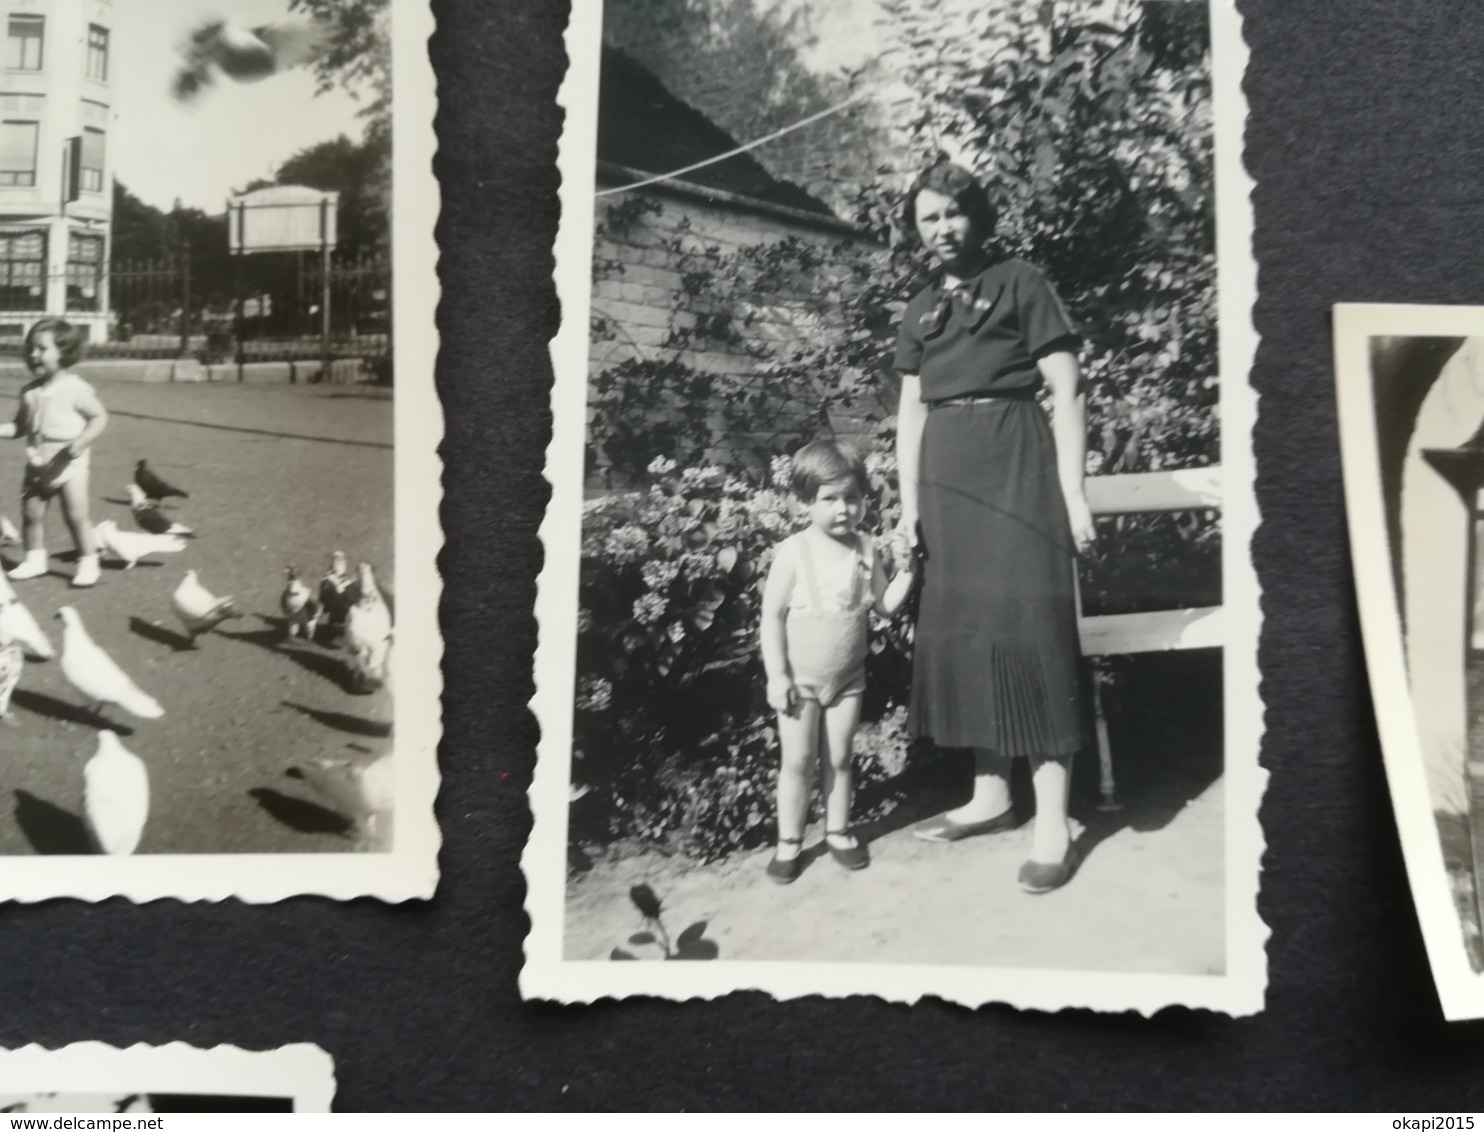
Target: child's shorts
x=48, y=468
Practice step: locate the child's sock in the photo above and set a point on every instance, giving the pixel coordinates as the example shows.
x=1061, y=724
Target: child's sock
x=787, y=851
x=34, y=566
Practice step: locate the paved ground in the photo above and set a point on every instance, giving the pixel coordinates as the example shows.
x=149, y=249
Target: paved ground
x=277, y=474
x=1149, y=896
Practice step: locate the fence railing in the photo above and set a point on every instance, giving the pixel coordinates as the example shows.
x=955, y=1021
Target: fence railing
x=265, y=311
x=1196, y=489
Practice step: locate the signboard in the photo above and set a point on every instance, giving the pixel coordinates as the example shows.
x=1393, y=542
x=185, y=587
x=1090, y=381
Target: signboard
x=282, y=218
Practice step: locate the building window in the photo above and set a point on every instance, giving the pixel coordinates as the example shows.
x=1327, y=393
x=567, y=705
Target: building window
x=23, y=43
x=18, y=153
x=22, y=271
x=84, y=271
x=97, y=53
x=92, y=160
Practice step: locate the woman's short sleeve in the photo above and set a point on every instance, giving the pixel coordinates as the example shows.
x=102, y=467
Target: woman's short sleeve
x=908, y=358
x=1043, y=319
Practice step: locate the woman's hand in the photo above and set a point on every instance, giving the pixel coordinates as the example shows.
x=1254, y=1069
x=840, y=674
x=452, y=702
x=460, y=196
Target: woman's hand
x=906, y=530
x=783, y=697
x=1084, y=531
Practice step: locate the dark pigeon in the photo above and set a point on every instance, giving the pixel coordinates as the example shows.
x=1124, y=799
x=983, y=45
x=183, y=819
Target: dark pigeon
x=153, y=486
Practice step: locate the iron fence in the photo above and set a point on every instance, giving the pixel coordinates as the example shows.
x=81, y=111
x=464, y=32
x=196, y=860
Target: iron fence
x=252, y=309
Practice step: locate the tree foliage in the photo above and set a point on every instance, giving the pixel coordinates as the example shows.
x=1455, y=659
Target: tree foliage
x=358, y=55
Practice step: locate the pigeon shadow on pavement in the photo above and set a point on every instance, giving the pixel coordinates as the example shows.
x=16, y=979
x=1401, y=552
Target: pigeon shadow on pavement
x=51, y=830
x=39, y=703
x=343, y=721
x=299, y=815
x=159, y=634
x=331, y=667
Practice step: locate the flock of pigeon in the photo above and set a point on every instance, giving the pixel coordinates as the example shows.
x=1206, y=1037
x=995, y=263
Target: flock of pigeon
x=348, y=611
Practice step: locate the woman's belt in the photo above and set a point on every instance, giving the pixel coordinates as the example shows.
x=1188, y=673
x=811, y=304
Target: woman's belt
x=1026, y=394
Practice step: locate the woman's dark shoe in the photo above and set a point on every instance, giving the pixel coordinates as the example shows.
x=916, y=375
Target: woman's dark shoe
x=1037, y=877
x=786, y=872
x=944, y=829
x=851, y=857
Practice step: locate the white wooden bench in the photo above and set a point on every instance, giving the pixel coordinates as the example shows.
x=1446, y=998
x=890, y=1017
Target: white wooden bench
x=1195, y=489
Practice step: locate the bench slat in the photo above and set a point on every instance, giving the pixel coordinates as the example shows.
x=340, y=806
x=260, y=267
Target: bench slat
x=1123, y=633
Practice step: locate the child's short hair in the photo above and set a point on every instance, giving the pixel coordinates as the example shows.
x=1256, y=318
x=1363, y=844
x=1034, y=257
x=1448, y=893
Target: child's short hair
x=824, y=461
x=69, y=338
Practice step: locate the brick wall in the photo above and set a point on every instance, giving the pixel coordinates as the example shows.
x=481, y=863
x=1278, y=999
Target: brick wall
x=647, y=303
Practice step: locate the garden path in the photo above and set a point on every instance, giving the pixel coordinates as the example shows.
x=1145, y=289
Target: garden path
x=1149, y=897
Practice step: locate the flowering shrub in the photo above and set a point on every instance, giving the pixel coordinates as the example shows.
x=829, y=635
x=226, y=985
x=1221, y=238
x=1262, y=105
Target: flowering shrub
x=675, y=740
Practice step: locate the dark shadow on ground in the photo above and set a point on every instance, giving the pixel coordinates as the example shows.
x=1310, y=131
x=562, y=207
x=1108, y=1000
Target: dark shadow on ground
x=299, y=815
x=39, y=703
x=342, y=721
x=307, y=657
x=51, y=830
x=251, y=431
x=160, y=635
x=1164, y=713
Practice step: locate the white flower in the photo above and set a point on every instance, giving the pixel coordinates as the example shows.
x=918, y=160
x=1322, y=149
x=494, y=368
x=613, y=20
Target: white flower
x=649, y=608
x=594, y=694
x=658, y=575
x=628, y=543
x=661, y=466
x=780, y=472
x=676, y=632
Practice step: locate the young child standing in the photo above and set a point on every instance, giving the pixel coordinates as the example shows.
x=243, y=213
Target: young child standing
x=59, y=417
x=822, y=585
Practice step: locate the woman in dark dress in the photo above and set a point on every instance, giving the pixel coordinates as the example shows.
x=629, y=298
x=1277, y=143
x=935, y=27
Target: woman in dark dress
x=995, y=492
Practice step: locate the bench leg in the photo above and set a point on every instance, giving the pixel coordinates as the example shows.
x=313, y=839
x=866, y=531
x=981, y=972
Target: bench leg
x=1107, y=788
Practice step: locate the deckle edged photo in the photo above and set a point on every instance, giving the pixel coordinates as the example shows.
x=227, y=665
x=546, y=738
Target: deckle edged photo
x=1411, y=399
x=897, y=628
x=90, y=1077
x=218, y=427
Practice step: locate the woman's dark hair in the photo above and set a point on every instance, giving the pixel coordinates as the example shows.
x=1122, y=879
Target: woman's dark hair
x=823, y=461
x=69, y=338
x=958, y=183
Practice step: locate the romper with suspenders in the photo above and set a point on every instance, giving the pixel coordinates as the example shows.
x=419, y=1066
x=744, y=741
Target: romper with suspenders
x=826, y=648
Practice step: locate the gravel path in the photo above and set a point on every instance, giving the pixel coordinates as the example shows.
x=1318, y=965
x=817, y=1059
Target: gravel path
x=277, y=474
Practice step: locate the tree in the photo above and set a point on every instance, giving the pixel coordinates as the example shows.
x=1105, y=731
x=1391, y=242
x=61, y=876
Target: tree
x=358, y=55
x=354, y=171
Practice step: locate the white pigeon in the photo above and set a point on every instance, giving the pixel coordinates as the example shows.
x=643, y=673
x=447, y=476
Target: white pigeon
x=9, y=536
x=151, y=516
x=361, y=792
x=115, y=796
x=368, y=633
x=12, y=661
x=93, y=672
x=200, y=610
x=131, y=546
x=19, y=626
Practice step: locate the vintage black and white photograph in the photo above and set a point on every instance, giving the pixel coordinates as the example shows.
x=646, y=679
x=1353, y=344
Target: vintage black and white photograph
x=897, y=625
x=218, y=518
x=1411, y=393
x=90, y=1077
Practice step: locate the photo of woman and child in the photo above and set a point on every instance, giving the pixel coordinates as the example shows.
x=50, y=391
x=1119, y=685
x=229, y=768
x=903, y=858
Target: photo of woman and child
x=993, y=500
x=910, y=600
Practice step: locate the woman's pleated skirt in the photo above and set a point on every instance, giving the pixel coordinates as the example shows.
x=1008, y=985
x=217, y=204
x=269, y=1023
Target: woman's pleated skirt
x=997, y=663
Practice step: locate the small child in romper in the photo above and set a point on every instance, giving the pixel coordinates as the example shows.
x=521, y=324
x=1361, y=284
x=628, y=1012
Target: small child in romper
x=822, y=585
x=59, y=417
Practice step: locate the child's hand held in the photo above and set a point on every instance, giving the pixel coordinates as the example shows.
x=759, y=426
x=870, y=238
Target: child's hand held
x=782, y=695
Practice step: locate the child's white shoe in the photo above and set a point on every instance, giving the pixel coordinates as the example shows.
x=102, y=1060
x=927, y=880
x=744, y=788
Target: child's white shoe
x=87, y=573
x=34, y=566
